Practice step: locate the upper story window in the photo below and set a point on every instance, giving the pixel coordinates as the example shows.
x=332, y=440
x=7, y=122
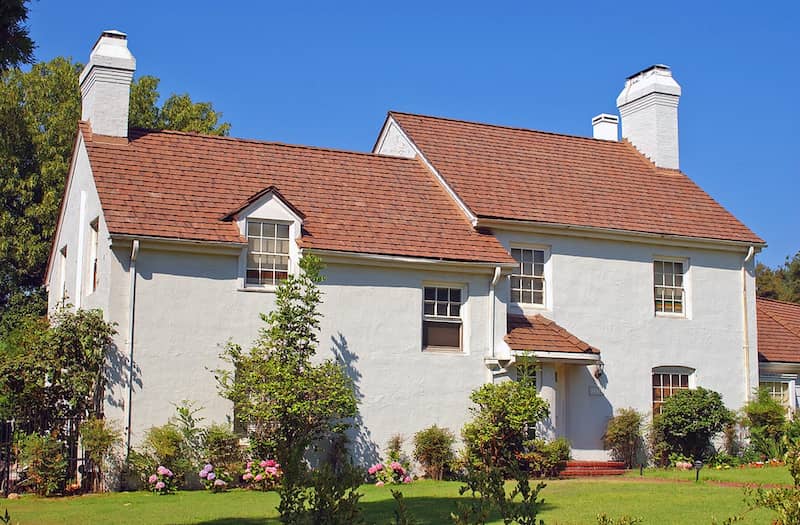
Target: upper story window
x=668, y=277
x=442, y=322
x=667, y=381
x=94, y=237
x=527, y=281
x=267, y=252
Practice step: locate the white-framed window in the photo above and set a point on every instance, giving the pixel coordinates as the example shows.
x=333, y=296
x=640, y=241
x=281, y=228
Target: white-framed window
x=666, y=381
x=779, y=391
x=528, y=280
x=442, y=322
x=668, y=287
x=92, y=273
x=62, y=275
x=267, y=252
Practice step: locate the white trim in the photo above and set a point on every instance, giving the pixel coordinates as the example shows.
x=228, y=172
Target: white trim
x=463, y=316
x=401, y=261
x=79, y=266
x=169, y=244
x=473, y=219
x=612, y=234
x=545, y=356
x=532, y=308
x=686, y=287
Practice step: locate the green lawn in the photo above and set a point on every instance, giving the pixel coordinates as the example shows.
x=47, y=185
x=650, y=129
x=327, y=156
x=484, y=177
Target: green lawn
x=567, y=502
x=765, y=475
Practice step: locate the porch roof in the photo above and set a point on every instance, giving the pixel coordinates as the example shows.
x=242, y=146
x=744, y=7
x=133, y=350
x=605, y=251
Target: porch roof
x=537, y=333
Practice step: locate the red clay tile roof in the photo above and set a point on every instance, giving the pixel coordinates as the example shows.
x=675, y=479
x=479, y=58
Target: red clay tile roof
x=519, y=174
x=778, y=331
x=180, y=185
x=538, y=333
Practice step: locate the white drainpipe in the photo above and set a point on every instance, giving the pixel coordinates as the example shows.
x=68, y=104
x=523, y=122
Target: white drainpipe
x=745, y=327
x=492, y=284
x=131, y=308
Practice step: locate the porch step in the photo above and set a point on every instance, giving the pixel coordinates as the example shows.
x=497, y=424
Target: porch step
x=580, y=469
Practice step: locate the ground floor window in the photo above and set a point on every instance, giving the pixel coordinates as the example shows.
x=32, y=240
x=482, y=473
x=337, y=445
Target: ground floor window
x=779, y=391
x=665, y=383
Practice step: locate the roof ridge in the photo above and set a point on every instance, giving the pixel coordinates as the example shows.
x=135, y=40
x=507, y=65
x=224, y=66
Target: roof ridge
x=257, y=142
x=790, y=303
x=502, y=126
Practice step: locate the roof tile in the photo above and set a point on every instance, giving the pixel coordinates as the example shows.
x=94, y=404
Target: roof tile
x=778, y=331
x=538, y=333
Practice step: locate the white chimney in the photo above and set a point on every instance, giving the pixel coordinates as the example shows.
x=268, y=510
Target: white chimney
x=604, y=126
x=648, y=106
x=106, y=85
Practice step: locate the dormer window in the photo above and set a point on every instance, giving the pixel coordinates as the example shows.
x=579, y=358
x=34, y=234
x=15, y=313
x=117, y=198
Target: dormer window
x=267, y=252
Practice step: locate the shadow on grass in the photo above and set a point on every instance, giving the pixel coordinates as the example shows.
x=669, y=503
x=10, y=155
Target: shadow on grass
x=425, y=510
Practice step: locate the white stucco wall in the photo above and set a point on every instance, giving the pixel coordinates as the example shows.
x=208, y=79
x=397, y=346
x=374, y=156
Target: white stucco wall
x=602, y=292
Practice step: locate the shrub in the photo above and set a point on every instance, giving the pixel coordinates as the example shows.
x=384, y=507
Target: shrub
x=324, y=496
x=262, y=475
x=433, y=449
x=389, y=473
x=99, y=438
x=545, y=459
x=688, y=421
x=42, y=458
x=402, y=516
x=503, y=413
x=215, y=481
x=162, y=446
x=394, y=451
x=162, y=481
x=623, y=436
x=765, y=417
x=221, y=447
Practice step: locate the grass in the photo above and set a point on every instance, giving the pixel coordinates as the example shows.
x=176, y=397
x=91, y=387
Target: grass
x=567, y=502
x=759, y=476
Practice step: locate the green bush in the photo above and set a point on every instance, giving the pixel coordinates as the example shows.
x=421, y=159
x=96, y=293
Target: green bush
x=162, y=446
x=42, y=459
x=323, y=496
x=765, y=418
x=433, y=449
x=546, y=459
x=623, y=436
x=502, y=414
x=221, y=448
x=688, y=421
x=99, y=439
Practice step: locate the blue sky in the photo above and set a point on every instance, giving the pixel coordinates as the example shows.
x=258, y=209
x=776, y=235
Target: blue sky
x=326, y=73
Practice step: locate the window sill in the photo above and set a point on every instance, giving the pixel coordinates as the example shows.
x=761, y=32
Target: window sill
x=265, y=289
x=668, y=315
x=442, y=350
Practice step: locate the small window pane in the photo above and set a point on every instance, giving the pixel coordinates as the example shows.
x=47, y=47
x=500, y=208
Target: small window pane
x=538, y=256
x=455, y=295
x=455, y=310
x=429, y=307
x=441, y=308
x=283, y=231
x=527, y=297
x=268, y=245
x=538, y=298
x=441, y=294
x=441, y=335
x=253, y=229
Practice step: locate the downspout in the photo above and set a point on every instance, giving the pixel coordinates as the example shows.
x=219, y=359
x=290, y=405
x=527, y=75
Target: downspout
x=745, y=326
x=492, y=284
x=131, y=308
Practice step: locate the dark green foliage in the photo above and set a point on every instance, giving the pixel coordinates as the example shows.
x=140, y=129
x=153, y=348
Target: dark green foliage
x=543, y=459
x=781, y=283
x=42, y=458
x=688, y=421
x=221, y=448
x=16, y=46
x=604, y=519
x=503, y=413
x=54, y=371
x=765, y=417
x=433, y=449
x=623, y=436
x=785, y=502
x=402, y=516
x=486, y=485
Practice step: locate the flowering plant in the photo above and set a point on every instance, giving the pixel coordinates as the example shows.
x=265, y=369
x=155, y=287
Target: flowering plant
x=214, y=481
x=390, y=473
x=163, y=481
x=262, y=475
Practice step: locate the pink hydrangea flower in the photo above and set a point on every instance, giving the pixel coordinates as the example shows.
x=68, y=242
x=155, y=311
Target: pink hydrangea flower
x=263, y=463
x=211, y=476
x=219, y=483
x=249, y=465
x=160, y=485
x=407, y=479
x=271, y=463
x=259, y=477
x=152, y=479
x=161, y=470
x=379, y=484
x=247, y=476
x=203, y=474
x=271, y=471
x=209, y=467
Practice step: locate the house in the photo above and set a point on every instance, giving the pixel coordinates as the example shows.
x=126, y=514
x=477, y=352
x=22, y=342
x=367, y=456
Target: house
x=779, y=350
x=453, y=251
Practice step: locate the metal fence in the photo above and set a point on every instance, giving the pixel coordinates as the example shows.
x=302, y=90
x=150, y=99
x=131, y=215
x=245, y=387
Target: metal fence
x=14, y=476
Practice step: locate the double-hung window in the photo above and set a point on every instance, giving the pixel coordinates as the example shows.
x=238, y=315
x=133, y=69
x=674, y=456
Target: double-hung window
x=666, y=383
x=267, y=252
x=779, y=391
x=442, y=322
x=668, y=287
x=527, y=281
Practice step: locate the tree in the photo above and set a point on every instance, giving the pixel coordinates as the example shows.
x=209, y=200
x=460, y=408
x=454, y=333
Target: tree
x=39, y=110
x=16, y=46
x=689, y=419
x=277, y=391
x=49, y=372
x=781, y=283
